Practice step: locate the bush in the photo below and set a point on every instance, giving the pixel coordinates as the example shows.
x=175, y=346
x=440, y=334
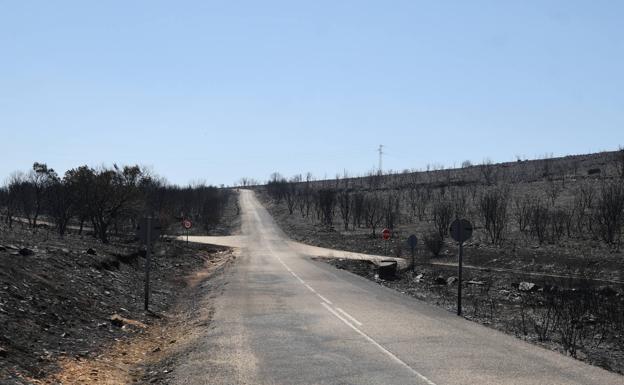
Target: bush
x=442, y=215
x=327, y=204
x=609, y=213
x=434, y=243
x=493, y=212
x=620, y=162
x=539, y=221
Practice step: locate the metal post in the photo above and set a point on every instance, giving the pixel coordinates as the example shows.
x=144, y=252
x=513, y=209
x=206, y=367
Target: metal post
x=148, y=251
x=187, y=231
x=459, y=283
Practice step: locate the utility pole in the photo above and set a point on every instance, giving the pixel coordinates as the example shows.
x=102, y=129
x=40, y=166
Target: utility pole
x=380, y=155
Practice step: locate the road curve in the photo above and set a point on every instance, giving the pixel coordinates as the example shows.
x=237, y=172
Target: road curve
x=286, y=319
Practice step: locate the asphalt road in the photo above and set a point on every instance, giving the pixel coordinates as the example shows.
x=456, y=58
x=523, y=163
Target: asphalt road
x=286, y=319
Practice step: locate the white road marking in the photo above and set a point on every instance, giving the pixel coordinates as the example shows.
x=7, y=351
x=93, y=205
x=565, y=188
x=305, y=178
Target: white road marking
x=372, y=341
x=349, y=316
x=286, y=266
x=296, y=276
x=369, y=339
x=324, y=299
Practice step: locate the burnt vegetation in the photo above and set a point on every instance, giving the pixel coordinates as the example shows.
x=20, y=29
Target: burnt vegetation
x=72, y=270
x=104, y=200
x=545, y=201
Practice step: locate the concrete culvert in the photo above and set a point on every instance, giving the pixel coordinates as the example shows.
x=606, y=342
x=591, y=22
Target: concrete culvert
x=387, y=270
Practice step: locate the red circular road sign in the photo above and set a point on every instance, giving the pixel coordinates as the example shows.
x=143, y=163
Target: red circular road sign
x=187, y=224
x=385, y=234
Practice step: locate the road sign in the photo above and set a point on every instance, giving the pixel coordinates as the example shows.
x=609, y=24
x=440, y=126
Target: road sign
x=412, y=241
x=461, y=230
x=385, y=234
x=187, y=224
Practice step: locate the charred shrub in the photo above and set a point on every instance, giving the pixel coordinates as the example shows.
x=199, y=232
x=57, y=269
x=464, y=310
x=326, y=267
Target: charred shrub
x=609, y=212
x=493, y=212
x=442, y=214
x=434, y=243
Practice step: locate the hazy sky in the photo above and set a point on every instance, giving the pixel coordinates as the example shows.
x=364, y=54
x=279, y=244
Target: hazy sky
x=218, y=90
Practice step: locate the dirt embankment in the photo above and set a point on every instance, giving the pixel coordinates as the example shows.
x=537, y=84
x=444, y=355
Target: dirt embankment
x=71, y=309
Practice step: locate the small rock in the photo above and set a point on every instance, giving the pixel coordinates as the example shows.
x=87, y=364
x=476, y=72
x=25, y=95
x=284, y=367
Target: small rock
x=117, y=320
x=478, y=283
x=26, y=252
x=526, y=286
x=156, y=350
x=106, y=292
x=65, y=251
x=589, y=319
x=91, y=251
x=3, y=353
x=418, y=278
x=451, y=280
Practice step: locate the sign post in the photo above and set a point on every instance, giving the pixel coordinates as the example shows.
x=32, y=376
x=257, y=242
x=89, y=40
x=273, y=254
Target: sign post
x=148, y=232
x=385, y=235
x=412, y=241
x=187, y=224
x=148, y=260
x=461, y=231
